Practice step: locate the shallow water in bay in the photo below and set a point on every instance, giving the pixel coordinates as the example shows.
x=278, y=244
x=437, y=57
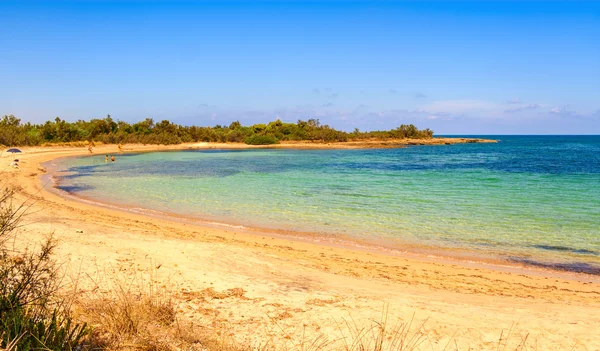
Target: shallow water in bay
x=528, y=199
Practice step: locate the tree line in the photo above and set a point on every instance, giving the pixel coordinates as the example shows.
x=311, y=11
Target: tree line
x=15, y=133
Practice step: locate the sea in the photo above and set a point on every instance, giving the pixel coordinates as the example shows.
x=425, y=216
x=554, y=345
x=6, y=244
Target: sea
x=526, y=200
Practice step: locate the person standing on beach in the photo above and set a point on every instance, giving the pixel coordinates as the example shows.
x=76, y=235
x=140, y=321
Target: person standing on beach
x=120, y=147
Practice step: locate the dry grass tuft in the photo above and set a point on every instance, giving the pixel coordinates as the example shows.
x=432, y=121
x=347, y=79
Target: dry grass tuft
x=130, y=313
x=382, y=336
x=136, y=313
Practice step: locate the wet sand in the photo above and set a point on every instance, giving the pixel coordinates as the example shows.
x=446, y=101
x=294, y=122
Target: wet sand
x=262, y=287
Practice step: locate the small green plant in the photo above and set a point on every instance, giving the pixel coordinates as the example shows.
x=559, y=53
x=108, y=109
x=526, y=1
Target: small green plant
x=37, y=330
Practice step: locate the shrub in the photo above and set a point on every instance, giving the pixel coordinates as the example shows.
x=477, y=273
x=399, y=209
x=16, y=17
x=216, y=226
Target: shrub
x=261, y=140
x=235, y=136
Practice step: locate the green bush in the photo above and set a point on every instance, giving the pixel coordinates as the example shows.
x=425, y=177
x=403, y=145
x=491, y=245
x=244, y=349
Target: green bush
x=261, y=140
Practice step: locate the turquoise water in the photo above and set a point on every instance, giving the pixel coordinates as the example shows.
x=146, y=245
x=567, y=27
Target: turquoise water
x=531, y=199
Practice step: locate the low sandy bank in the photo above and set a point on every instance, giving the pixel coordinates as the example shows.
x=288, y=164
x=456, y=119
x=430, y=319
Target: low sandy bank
x=287, y=288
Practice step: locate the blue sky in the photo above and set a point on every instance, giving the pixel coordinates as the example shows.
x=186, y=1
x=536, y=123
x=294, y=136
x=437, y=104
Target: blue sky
x=455, y=67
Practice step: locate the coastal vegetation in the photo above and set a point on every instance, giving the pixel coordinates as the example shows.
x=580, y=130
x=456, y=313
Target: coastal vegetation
x=106, y=130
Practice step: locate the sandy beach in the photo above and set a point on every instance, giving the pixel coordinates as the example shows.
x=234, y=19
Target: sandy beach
x=263, y=287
